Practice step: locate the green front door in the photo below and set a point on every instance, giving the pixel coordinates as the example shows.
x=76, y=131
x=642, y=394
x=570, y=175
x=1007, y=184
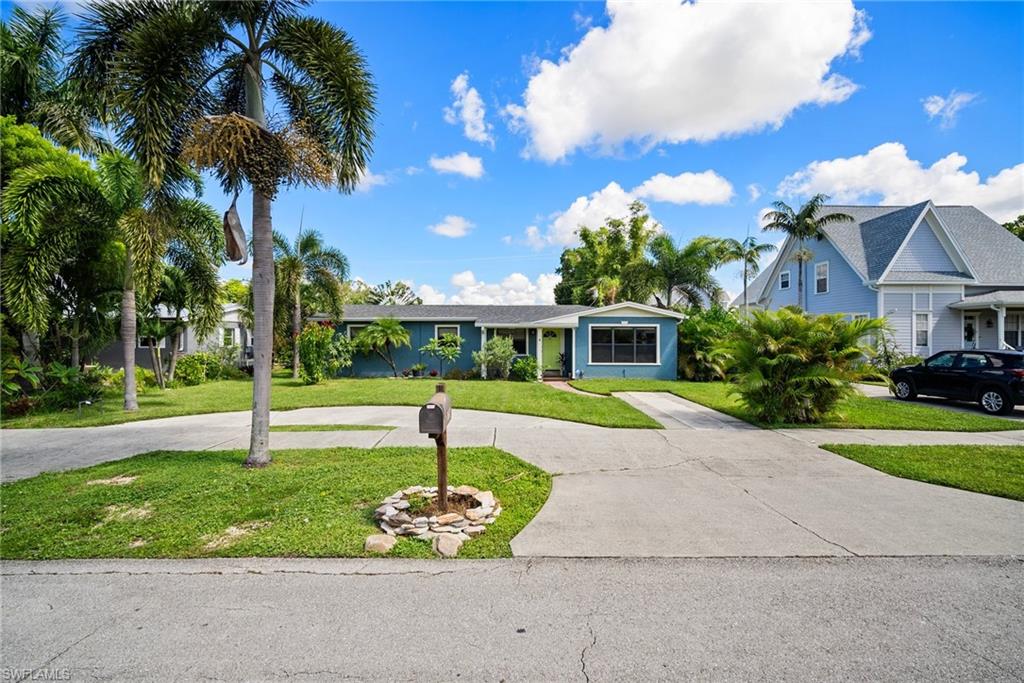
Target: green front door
x=551, y=349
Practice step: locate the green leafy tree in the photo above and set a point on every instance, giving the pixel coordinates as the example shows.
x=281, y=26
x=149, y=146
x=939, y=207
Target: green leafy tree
x=747, y=252
x=609, y=265
x=793, y=367
x=382, y=337
x=190, y=79
x=684, y=271
x=700, y=334
x=392, y=294
x=323, y=352
x=802, y=225
x=31, y=57
x=1016, y=226
x=447, y=348
x=234, y=291
x=111, y=199
x=495, y=357
x=311, y=263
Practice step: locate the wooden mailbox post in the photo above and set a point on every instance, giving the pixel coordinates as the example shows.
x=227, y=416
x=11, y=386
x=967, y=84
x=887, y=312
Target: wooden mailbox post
x=434, y=418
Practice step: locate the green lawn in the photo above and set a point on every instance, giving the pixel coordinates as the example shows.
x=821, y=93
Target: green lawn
x=856, y=412
x=524, y=398
x=307, y=503
x=995, y=470
x=329, y=428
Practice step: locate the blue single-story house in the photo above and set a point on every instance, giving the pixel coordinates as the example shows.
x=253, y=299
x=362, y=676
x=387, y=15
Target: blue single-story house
x=622, y=340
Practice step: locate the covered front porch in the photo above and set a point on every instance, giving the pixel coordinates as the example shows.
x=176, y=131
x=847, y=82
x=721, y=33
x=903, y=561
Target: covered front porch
x=551, y=346
x=994, y=320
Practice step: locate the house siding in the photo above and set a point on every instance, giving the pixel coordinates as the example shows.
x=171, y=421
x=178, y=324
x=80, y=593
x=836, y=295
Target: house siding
x=924, y=252
x=667, y=341
x=372, y=365
x=779, y=298
x=846, y=290
x=902, y=302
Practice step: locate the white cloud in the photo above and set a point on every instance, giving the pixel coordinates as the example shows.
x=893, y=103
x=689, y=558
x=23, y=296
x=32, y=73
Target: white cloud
x=613, y=201
x=369, y=180
x=675, y=72
x=451, y=226
x=461, y=163
x=686, y=188
x=582, y=21
x=429, y=295
x=468, y=108
x=515, y=289
x=754, y=191
x=946, y=109
x=887, y=172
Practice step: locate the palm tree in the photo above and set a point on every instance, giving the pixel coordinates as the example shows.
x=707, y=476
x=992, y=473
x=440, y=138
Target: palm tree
x=393, y=294
x=308, y=261
x=31, y=51
x=803, y=225
x=749, y=253
x=111, y=198
x=380, y=337
x=192, y=78
x=685, y=270
x=190, y=286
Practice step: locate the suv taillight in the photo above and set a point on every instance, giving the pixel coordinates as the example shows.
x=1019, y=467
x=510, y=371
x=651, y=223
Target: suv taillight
x=1018, y=373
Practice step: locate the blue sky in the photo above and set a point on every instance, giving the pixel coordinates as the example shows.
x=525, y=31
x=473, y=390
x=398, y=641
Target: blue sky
x=576, y=96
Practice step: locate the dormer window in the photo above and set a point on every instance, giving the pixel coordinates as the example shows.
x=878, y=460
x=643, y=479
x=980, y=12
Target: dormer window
x=784, y=280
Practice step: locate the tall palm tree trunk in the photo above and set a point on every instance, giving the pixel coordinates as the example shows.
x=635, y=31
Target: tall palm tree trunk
x=262, y=288
x=800, y=278
x=296, y=329
x=76, y=357
x=746, y=307
x=131, y=398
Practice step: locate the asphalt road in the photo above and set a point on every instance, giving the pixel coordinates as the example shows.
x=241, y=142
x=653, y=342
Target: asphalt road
x=517, y=620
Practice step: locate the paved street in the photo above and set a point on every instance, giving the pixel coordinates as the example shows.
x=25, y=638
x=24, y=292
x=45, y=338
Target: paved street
x=518, y=620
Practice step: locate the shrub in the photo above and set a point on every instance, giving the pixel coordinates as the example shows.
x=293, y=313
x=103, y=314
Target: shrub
x=794, y=367
x=447, y=348
x=887, y=355
x=190, y=370
x=524, y=369
x=322, y=352
x=144, y=379
x=496, y=356
x=699, y=334
x=65, y=387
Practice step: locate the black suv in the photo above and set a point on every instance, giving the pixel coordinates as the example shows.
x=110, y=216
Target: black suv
x=995, y=379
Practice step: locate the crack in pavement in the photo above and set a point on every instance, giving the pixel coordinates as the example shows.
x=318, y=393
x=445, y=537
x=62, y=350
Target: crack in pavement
x=583, y=653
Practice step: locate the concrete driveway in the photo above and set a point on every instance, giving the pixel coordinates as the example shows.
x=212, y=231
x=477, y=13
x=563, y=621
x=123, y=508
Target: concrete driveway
x=882, y=394
x=706, y=488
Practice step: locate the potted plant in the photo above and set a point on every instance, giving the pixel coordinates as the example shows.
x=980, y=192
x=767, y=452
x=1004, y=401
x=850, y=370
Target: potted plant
x=417, y=370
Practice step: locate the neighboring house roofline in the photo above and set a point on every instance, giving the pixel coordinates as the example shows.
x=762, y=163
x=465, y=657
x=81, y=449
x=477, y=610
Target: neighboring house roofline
x=945, y=239
x=611, y=308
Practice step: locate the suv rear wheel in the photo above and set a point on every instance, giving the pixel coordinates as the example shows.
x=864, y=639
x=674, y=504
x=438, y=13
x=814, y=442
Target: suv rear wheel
x=905, y=390
x=995, y=401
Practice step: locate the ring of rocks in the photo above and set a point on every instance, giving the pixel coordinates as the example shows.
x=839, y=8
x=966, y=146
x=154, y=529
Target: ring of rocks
x=447, y=532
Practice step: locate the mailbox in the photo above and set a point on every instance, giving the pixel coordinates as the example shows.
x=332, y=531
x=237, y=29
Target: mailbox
x=435, y=415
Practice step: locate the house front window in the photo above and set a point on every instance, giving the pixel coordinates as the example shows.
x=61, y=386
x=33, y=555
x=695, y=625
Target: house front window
x=354, y=330
x=821, y=278
x=1012, y=331
x=624, y=345
x=784, y=280
x=441, y=330
x=922, y=328
x=518, y=337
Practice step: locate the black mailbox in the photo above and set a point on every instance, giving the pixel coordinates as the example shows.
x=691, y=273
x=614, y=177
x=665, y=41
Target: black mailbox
x=436, y=414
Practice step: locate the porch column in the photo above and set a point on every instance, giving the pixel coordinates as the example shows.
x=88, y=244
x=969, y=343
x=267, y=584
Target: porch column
x=483, y=343
x=1000, y=327
x=540, y=358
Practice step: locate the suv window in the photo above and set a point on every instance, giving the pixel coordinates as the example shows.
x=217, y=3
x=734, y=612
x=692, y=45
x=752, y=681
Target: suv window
x=944, y=360
x=969, y=361
x=1006, y=361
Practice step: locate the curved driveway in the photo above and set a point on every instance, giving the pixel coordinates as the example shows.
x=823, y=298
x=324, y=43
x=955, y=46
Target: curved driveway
x=720, y=489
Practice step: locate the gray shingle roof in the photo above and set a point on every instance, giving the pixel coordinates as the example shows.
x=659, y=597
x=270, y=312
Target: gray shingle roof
x=491, y=315
x=871, y=241
x=1000, y=297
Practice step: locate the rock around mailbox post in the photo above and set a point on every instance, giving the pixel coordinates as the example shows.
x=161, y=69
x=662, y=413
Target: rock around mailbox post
x=434, y=418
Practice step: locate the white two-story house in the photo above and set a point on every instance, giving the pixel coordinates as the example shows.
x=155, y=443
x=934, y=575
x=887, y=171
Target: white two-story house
x=945, y=277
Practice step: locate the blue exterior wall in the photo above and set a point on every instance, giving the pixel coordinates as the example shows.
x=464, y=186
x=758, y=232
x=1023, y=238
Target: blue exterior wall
x=405, y=357
x=846, y=291
x=667, y=341
x=924, y=252
x=784, y=297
